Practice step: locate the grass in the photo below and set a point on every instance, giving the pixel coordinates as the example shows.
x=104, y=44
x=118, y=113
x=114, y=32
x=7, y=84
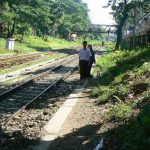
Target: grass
x=2, y=47
x=109, y=46
x=119, y=112
x=121, y=72
x=37, y=44
x=124, y=86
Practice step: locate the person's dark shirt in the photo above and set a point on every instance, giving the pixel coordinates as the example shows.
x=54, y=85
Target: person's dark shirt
x=93, y=56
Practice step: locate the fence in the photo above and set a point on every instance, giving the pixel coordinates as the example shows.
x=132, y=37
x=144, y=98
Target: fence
x=130, y=42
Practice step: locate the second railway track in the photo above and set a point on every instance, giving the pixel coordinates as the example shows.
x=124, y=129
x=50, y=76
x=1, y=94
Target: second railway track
x=19, y=98
x=5, y=87
x=25, y=129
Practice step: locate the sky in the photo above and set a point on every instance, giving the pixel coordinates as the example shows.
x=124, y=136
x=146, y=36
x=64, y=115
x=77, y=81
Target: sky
x=99, y=15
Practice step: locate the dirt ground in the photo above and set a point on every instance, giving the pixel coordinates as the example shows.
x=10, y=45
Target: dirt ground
x=81, y=130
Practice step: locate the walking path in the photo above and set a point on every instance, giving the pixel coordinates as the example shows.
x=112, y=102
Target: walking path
x=82, y=127
x=76, y=125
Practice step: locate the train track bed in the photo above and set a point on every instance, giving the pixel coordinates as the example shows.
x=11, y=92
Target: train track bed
x=19, y=79
x=18, y=59
x=11, y=69
x=14, y=99
x=19, y=72
x=28, y=72
x=8, y=74
x=6, y=55
x=24, y=129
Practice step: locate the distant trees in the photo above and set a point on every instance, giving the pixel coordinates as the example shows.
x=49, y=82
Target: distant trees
x=42, y=17
x=122, y=10
x=75, y=16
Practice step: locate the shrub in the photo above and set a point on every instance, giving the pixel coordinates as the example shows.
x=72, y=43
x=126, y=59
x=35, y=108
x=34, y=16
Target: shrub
x=119, y=112
x=121, y=91
x=104, y=98
x=95, y=92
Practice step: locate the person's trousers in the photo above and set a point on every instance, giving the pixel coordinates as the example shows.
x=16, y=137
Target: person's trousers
x=89, y=69
x=83, y=64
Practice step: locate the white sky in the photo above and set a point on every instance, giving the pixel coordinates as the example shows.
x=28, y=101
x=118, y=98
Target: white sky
x=99, y=15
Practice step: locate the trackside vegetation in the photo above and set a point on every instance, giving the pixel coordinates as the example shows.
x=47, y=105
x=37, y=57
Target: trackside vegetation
x=38, y=44
x=42, y=18
x=124, y=90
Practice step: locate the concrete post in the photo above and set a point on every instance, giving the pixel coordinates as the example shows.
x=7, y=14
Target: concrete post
x=10, y=43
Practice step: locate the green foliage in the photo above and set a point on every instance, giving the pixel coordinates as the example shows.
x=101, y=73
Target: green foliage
x=124, y=82
x=42, y=17
x=121, y=73
x=109, y=46
x=126, y=14
x=103, y=98
x=122, y=91
x=95, y=92
x=37, y=44
x=119, y=112
x=117, y=63
x=119, y=79
x=137, y=132
x=144, y=117
x=133, y=135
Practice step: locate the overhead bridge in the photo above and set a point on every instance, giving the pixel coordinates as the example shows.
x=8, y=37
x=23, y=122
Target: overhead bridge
x=89, y=31
x=98, y=28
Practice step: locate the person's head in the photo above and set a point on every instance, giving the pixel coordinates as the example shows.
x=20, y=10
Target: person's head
x=90, y=46
x=84, y=44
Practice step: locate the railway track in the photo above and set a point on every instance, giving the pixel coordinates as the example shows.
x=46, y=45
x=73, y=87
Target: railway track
x=30, y=74
x=17, y=60
x=4, y=88
x=25, y=128
x=18, y=98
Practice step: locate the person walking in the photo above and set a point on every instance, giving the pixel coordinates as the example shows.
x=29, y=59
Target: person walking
x=92, y=60
x=84, y=60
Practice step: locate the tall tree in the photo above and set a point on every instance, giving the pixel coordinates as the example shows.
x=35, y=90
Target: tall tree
x=44, y=17
x=122, y=10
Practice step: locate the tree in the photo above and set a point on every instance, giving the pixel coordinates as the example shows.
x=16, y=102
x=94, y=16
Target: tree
x=43, y=17
x=122, y=10
x=75, y=16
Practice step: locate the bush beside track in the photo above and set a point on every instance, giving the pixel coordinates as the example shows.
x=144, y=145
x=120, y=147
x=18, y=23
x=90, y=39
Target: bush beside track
x=124, y=90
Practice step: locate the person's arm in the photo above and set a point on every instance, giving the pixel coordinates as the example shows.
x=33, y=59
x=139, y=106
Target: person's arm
x=90, y=54
x=94, y=57
x=79, y=55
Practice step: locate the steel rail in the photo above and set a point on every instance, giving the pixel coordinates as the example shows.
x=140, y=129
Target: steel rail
x=30, y=80
x=34, y=99
x=43, y=91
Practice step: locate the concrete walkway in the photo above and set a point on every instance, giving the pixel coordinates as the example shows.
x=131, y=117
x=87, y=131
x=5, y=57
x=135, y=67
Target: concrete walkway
x=51, y=129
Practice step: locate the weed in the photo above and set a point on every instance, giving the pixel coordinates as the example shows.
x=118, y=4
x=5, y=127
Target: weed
x=119, y=112
x=103, y=98
x=95, y=92
x=125, y=82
